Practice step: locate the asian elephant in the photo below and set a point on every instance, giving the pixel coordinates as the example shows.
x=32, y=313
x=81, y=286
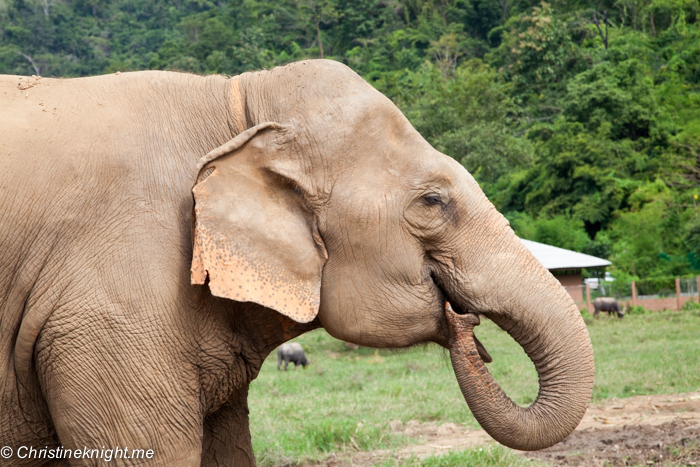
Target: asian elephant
x=161, y=233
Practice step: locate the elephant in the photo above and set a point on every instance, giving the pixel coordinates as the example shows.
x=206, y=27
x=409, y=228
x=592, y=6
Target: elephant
x=291, y=352
x=608, y=304
x=163, y=232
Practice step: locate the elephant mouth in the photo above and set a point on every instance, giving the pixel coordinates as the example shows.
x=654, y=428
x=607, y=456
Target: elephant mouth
x=449, y=306
x=445, y=298
x=483, y=353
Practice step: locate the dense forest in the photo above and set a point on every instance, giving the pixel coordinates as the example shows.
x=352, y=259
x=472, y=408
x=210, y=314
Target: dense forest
x=580, y=119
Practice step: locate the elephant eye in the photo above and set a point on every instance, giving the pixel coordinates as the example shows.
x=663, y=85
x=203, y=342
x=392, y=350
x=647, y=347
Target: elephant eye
x=433, y=200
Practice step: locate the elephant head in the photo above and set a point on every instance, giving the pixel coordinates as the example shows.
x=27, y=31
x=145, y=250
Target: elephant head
x=328, y=204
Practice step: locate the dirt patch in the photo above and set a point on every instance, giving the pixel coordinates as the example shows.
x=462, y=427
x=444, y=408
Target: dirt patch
x=673, y=443
x=434, y=439
x=642, y=430
x=643, y=410
x=442, y=438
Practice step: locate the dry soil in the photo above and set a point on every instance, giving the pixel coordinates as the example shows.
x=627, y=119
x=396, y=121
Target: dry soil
x=642, y=430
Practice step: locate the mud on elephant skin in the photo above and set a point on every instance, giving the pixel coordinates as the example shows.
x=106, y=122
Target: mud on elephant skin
x=162, y=233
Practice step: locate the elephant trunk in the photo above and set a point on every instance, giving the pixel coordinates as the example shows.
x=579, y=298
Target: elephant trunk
x=549, y=327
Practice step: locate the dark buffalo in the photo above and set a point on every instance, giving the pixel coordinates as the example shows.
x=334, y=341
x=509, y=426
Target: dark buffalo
x=608, y=304
x=291, y=352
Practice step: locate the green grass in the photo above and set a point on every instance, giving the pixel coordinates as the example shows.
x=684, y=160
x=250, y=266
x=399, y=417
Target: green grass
x=482, y=457
x=653, y=353
x=346, y=399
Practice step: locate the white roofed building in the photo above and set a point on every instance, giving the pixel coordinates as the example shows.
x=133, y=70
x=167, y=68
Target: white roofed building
x=566, y=266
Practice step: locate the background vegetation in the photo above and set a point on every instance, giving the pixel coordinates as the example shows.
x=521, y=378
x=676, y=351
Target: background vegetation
x=345, y=400
x=580, y=119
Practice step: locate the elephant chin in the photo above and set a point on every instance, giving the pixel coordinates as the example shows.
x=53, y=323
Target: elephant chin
x=541, y=425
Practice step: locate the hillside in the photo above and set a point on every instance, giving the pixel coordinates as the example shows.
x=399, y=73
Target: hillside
x=580, y=119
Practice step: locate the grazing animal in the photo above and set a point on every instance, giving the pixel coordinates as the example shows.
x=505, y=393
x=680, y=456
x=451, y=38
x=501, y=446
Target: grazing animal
x=608, y=304
x=291, y=352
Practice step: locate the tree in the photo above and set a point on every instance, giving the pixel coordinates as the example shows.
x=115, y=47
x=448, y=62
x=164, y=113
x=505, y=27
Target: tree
x=467, y=115
x=36, y=67
x=321, y=12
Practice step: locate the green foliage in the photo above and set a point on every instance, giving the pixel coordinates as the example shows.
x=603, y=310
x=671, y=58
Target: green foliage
x=561, y=231
x=465, y=112
x=538, y=54
x=586, y=173
x=691, y=305
x=580, y=120
x=616, y=97
x=639, y=310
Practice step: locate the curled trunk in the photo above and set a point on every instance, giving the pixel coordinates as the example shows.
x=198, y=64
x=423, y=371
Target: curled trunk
x=564, y=363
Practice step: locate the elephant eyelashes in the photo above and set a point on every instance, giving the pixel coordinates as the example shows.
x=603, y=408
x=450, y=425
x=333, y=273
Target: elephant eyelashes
x=433, y=200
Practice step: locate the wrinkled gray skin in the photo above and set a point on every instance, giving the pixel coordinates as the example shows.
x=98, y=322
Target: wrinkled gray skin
x=162, y=233
x=291, y=352
x=608, y=304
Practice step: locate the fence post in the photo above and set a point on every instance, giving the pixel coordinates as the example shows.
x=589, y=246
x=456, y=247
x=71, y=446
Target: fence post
x=588, y=298
x=634, y=294
x=678, y=293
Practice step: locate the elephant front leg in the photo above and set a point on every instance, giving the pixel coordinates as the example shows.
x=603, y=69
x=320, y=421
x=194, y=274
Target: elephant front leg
x=125, y=428
x=117, y=403
x=227, y=434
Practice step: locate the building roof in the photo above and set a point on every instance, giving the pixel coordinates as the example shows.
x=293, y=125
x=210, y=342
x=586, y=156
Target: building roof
x=558, y=258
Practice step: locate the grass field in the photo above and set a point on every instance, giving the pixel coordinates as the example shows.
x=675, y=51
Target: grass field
x=491, y=456
x=346, y=399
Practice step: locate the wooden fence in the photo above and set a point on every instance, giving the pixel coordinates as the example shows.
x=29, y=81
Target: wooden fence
x=650, y=302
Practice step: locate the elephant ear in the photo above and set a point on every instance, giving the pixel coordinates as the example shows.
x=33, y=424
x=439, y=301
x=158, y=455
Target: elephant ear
x=255, y=239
